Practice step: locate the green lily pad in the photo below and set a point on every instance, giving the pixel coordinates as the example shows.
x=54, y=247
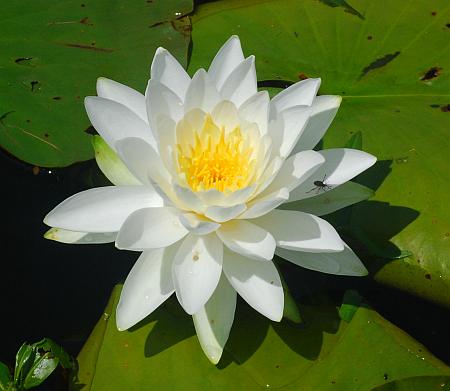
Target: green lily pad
x=162, y=352
x=419, y=383
x=52, y=54
x=391, y=66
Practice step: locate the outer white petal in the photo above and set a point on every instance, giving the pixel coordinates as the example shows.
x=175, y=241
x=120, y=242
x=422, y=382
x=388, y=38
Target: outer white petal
x=72, y=237
x=295, y=170
x=168, y=71
x=301, y=231
x=226, y=60
x=340, y=166
x=293, y=122
x=201, y=93
x=198, y=224
x=114, y=122
x=323, y=111
x=145, y=163
x=324, y=203
x=263, y=205
x=247, y=239
x=110, y=164
x=343, y=263
x=224, y=213
x=160, y=100
x=258, y=283
x=147, y=286
x=301, y=93
x=102, y=209
x=151, y=228
x=241, y=84
x=213, y=322
x=196, y=270
x=256, y=109
x=123, y=94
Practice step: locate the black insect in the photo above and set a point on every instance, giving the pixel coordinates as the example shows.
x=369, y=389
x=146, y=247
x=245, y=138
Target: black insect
x=320, y=186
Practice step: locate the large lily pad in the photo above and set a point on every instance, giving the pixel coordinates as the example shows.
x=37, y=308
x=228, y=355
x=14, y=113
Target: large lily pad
x=324, y=353
x=391, y=65
x=52, y=54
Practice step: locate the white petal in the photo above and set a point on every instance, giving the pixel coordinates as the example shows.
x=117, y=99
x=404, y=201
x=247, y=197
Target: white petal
x=292, y=124
x=123, y=94
x=196, y=270
x=160, y=100
x=226, y=60
x=258, y=283
x=247, y=239
x=102, y=209
x=343, y=263
x=295, y=170
x=241, y=84
x=225, y=115
x=188, y=198
x=340, y=166
x=110, y=164
x=198, y=224
x=114, y=122
x=224, y=213
x=342, y=196
x=151, y=228
x=201, y=93
x=301, y=231
x=323, y=111
x=301, y=93
x=72, y=237
x=145, y=163
x=147, y=286
x=263, y=205
x=218, y=198
x=256, y=110
x=168, y=71
x=213, y=322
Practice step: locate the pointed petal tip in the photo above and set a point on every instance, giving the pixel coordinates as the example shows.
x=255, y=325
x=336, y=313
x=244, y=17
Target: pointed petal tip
x=160, y=50
x=213, y=354
x=50, y=234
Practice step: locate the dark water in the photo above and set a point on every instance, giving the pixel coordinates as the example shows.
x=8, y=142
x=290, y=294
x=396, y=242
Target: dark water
x=59, y=291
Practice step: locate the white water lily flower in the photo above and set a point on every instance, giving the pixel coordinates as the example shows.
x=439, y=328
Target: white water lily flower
x=204, y=165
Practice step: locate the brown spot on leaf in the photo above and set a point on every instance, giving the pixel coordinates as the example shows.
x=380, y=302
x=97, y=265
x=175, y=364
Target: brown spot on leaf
x=34, y=85
x=434, y=13
x=428, y=276
x=302, y=76
x=432, y=73
x=86, y=21
x=369, y=37
x=445, y=108
x=22, y=60
x=379, y=62
x=56, y=98
x=86, y=47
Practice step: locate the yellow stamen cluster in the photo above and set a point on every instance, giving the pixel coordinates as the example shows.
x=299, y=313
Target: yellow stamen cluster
x=216, y=160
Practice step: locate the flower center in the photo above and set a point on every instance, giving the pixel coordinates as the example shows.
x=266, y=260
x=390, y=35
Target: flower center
x=216, y=159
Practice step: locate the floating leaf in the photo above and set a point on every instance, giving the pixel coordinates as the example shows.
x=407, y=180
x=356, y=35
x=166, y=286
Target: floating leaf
x=392, y=71
x=162, y=352
x=52, y=54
